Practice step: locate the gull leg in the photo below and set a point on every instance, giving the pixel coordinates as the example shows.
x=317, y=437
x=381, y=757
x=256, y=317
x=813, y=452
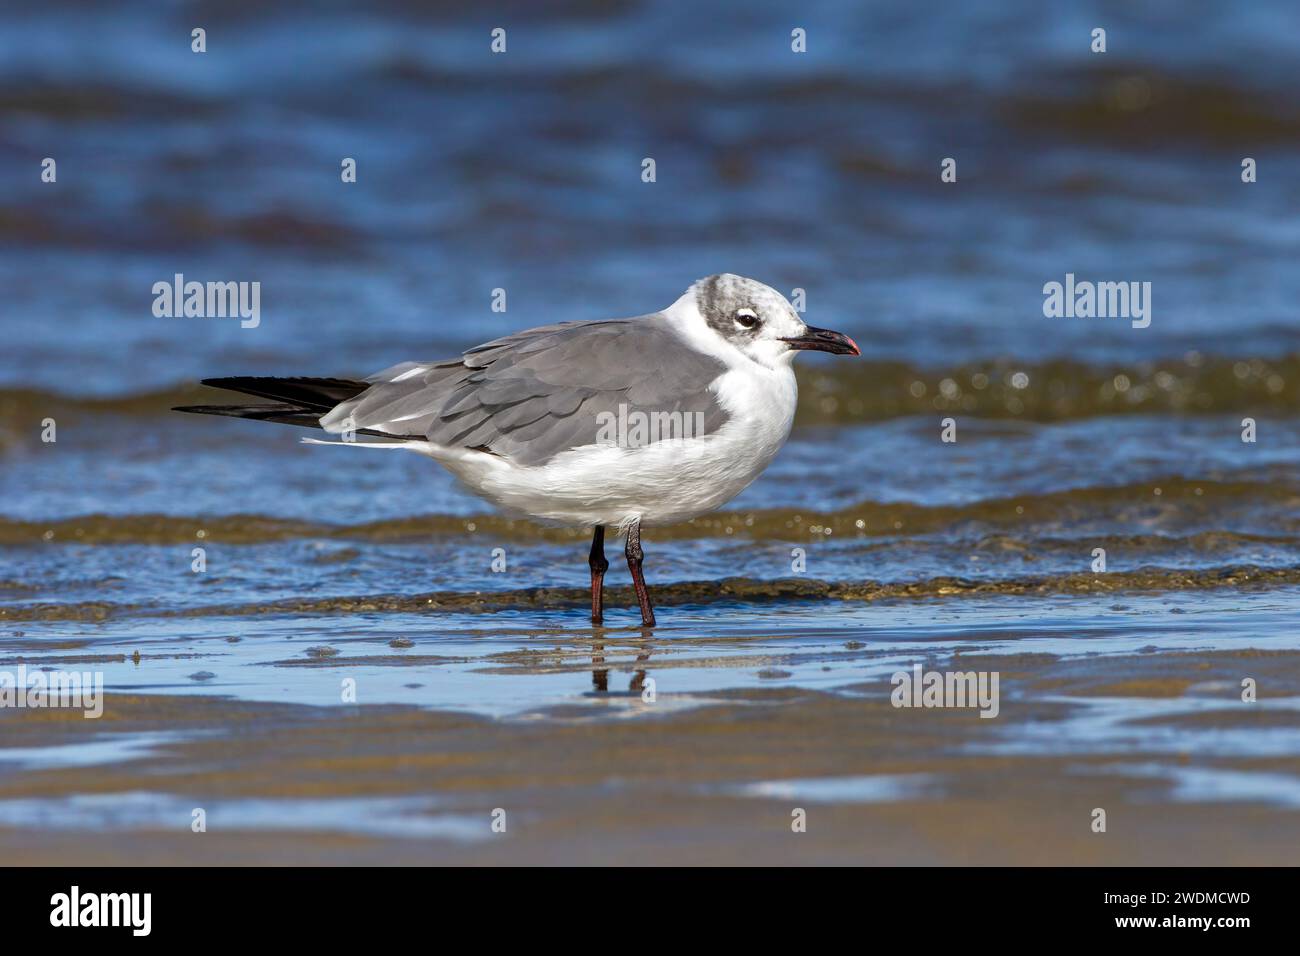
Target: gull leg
x=634, y=556
x=598, y=568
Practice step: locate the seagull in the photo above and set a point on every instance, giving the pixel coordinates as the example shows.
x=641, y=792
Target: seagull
x=619, y=423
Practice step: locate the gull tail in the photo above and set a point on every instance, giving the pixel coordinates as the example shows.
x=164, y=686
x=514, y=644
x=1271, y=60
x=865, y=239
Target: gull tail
x=295, y=401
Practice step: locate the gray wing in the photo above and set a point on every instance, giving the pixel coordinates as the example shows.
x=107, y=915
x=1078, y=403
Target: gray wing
x=532, y=395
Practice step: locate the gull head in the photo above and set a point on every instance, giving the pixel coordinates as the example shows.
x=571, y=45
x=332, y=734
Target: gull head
x=759, y=322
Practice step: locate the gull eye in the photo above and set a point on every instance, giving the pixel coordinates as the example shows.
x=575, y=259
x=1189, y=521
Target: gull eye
x=746, y=318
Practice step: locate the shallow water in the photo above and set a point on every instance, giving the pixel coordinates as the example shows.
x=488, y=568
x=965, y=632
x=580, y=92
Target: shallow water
x=870, y=544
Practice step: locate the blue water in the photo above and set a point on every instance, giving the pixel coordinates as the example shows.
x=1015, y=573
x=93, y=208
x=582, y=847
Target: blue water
x=522, y=171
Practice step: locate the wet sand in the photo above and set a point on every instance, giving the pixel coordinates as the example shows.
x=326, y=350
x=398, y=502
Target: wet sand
x=690, y=779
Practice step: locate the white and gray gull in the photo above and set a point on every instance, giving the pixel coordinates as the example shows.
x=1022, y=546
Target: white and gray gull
x=614, y=422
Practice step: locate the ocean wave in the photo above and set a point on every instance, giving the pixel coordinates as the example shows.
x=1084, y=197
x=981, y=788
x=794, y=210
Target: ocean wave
x=1058, y=390
x=1138, y=104
x=725, y=591
x=865, y=391
x=1165, y=505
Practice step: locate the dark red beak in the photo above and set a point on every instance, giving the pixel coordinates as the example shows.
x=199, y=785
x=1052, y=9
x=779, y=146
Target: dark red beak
x=824, y=340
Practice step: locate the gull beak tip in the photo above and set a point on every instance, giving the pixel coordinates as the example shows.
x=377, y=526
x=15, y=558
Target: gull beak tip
x=824, y=340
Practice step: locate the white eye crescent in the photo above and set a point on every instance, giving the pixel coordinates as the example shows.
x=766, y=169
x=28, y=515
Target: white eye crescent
x=746, y=318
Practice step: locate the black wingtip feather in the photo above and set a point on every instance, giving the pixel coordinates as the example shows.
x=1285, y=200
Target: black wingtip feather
x=281, y=415
x=315, y=393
